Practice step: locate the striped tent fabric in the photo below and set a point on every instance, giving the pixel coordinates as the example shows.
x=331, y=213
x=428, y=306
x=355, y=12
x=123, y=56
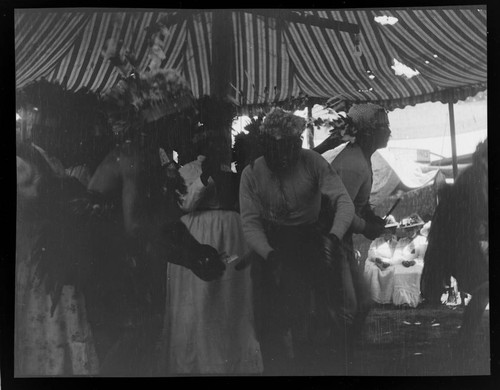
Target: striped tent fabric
x=263, y=69
x=43, y=39
x=274, y=56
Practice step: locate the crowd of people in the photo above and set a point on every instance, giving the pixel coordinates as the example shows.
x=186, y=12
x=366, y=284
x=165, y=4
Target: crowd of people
x=137, y=265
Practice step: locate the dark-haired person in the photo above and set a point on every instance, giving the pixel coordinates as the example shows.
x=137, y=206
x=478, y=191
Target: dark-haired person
x=458, y=244
x=280, y=198
x=71, y=126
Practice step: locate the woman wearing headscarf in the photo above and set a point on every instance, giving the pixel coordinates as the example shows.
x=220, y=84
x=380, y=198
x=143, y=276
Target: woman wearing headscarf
x=366, y=129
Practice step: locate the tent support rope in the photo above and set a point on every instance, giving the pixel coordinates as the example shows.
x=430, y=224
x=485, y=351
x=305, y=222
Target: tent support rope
x=453, y=140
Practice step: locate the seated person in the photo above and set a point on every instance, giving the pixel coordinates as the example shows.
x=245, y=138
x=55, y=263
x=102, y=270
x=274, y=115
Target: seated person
x=394, y=264
x=378, y=273
x=209, y=326
x=409, y=261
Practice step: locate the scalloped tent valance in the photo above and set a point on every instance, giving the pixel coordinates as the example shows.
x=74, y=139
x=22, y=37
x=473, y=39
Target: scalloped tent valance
x=267, y=55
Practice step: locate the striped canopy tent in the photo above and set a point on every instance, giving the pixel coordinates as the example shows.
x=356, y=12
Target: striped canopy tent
x=257, y=56
x=262, y=57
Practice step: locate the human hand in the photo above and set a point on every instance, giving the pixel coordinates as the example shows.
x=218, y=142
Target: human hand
x=207, y=264
x=373, y=230
x=409, y=263
x=331, y=249
x=381, y=263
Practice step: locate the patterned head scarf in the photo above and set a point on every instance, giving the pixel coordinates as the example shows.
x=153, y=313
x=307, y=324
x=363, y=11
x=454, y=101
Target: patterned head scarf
x=280, y=124
x=367, y=116
x=356, y=125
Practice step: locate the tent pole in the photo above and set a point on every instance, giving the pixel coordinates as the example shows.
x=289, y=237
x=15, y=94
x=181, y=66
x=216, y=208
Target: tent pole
x=310, y=129
x=453, y=140
x=222, y=65
x=222, y=53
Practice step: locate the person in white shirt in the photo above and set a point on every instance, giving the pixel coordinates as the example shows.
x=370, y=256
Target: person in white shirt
x=296, y=269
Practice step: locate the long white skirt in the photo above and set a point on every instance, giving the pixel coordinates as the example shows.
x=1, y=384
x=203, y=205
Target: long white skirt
x=407, y=284
x=380, y=283
x=209, y=326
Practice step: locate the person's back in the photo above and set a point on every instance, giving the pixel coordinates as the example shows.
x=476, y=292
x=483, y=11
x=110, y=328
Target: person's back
x=355, y=172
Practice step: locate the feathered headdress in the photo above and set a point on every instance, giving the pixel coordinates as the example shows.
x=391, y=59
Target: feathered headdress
x=142, y=97
x=150, y=96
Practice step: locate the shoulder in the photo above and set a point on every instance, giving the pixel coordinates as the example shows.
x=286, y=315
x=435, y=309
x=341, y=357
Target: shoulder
x=309, y=156
x=252, y=168
x=351, y=159
x=190, y=166
x=126, y=149
x=351, y=153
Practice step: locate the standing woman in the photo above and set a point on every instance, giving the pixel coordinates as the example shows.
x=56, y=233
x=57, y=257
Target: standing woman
x=366, y=127
x=210, y=326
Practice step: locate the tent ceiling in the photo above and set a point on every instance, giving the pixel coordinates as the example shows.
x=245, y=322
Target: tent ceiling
x=273, y=55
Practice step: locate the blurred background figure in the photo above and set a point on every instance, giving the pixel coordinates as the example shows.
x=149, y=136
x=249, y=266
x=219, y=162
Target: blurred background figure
x=458, y=246
x=142, y=231
x=52, y=332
